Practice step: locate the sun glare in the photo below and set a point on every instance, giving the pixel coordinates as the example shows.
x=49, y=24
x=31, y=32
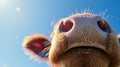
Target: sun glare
x=3, y=3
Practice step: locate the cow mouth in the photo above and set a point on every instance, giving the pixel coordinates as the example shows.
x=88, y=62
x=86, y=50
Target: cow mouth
x=83, y=55
x=82, y=50
x=73, y=50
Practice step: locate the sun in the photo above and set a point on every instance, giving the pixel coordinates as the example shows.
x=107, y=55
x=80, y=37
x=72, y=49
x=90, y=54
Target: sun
x=18, y=9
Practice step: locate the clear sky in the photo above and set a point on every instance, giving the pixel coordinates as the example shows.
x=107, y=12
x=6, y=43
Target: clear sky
x=20, y=18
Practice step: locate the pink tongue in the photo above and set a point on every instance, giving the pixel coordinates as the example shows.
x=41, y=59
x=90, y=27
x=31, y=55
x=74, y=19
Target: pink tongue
x=67, y=26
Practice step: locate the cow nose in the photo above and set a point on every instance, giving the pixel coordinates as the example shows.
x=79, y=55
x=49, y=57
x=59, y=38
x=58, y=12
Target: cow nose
x=66, y=26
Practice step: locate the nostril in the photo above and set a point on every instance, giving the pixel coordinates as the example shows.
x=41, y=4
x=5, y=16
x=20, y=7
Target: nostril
x=66, y=26
x=103, y=25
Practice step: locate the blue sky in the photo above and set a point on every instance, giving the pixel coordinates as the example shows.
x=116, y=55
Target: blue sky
x=20, y=18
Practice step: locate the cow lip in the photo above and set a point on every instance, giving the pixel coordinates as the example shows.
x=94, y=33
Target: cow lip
x=93, y=46
x=84, y=47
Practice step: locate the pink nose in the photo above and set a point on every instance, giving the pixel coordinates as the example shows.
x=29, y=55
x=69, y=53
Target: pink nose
x=66, y=26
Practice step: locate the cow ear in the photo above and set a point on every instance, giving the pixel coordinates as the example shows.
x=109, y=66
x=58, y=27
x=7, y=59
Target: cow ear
x=119, y=38
x=37, y=47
